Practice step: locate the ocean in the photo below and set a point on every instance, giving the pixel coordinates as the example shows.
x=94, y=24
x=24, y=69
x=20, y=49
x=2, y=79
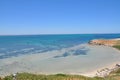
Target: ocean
x=14, y=46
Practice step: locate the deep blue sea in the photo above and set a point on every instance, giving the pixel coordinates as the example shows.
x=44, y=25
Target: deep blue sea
x=11, y=46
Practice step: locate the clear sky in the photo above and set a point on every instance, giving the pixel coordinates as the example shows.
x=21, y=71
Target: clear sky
x=59, y=16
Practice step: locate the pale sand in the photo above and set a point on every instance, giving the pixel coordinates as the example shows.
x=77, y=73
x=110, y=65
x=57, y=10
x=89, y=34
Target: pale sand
x=97, y=58
x=116, y=39
x=94, y=72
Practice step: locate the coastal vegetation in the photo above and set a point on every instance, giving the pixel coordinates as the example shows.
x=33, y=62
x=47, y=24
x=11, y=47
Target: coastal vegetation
x=117, y=46
x=112, y=43
x=115, y=75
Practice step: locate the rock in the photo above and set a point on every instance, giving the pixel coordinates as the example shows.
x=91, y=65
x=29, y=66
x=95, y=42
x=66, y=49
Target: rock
x=103, y=42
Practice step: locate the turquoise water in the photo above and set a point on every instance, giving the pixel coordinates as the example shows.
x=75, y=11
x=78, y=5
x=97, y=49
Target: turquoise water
x=35, y=44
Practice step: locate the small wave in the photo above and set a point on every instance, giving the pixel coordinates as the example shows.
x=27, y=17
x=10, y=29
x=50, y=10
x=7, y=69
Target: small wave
x=64, y=52
x=2, y=49
x=27, y=49
x=1, y=54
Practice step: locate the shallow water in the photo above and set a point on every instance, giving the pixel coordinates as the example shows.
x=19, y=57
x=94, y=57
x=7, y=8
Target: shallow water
x=54, y=54
x=96, y=57
x=32, y=44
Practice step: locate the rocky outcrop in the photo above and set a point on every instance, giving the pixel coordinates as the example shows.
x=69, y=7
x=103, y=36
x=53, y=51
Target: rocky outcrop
x=106, y=71
x=103, y=42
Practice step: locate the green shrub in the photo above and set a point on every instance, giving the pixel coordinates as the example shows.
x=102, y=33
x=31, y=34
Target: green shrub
x=28, y=76
x=117, y=46
x=61, y=75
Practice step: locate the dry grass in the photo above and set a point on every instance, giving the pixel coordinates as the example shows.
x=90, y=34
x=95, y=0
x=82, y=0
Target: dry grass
x=27, y=76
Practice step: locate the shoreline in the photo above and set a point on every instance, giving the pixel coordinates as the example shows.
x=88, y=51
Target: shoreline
x=86, y=74
x=91, y=73
x=100, y=42
x=97, y=71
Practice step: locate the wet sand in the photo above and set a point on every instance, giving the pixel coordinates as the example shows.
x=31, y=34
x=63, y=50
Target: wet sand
x=96, y=58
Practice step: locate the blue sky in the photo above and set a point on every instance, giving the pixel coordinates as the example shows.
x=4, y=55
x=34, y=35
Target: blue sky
x=59, y=16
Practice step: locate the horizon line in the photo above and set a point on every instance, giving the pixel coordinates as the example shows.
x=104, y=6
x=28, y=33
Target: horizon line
x=53, y=34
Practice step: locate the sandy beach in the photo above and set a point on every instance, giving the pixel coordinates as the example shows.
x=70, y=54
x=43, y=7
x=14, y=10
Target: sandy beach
x=116, y=39
x=97, y=58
